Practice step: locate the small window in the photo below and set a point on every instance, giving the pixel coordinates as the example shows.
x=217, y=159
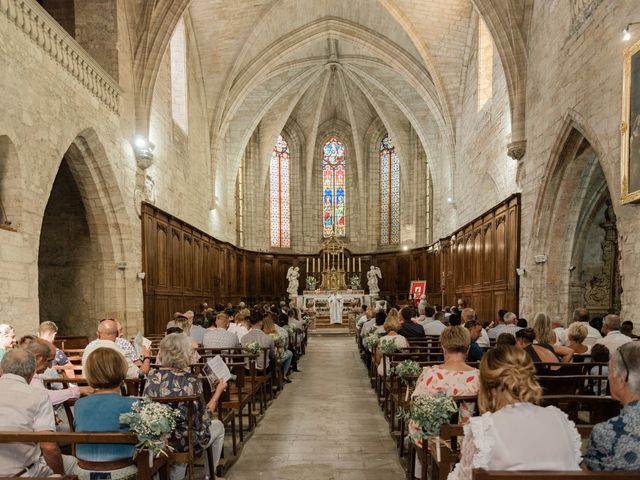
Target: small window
x=485, y=64
x=178, y=49
x=280, y=198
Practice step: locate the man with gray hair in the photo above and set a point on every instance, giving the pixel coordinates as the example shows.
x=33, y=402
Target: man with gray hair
x=509, y=326
x=27, y=409
x=613, y=339
x=581, y=315
x=615, y=444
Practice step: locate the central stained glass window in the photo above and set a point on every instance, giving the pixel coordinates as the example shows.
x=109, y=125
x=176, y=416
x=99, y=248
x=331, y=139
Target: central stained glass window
x=334, y=174
x=279, y=196
x=389, y=193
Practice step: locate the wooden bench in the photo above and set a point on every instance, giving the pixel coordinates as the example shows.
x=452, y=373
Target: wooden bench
x=479, y=474
x=145, y=471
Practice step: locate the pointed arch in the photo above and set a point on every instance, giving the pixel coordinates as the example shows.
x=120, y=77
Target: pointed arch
x=280, y=194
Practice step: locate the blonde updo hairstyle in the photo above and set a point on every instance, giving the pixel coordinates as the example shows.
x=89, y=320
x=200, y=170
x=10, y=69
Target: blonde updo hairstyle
x=507, y=375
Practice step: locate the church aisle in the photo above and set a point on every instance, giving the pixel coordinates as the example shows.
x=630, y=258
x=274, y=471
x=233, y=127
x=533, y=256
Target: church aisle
x=326, y=424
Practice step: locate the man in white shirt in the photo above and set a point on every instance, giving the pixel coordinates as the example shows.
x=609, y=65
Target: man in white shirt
x=27, y=409
x=107, y=335
x=593, y=335
x=433, y=326
x=219, y=336
x=613, y=338
x=509, y=326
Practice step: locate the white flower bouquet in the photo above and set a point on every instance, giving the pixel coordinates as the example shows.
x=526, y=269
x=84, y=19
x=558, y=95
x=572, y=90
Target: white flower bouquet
x=311, y=282
x=152, y=422
x=354, y=282
x=371, y=341
x=429, y=413
x=407, y=369
x=388, y=346
x=253, y=348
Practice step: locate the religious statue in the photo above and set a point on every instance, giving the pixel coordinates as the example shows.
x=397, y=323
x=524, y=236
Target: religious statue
x=372, y=275
x=292, y=275
x=147, y=194
x=335, y=307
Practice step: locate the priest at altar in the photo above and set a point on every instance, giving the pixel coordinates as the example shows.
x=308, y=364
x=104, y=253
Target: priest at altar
x=336, y=302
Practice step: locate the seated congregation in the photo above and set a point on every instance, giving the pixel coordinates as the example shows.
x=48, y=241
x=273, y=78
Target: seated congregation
x=72, y=410
x=468, y=399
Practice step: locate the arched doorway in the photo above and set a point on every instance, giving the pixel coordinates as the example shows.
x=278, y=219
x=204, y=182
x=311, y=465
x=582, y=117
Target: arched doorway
x=66, y=273
x=576, y=230
x=83, y=264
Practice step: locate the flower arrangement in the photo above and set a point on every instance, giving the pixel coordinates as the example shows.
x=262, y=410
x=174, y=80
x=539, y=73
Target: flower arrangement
x=354, y=282
x=429, y=413
x=253, y=348
x=388, y=346
x=152, y=422
x=306, y=320
x=279, y=341
x=311, y=282
x=371, y=341
x=407, y=369
x=291, y=330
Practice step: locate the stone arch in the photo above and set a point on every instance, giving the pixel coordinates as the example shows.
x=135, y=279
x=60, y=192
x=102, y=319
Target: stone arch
x=574, y=193
x=85, y=190
x=11, y=184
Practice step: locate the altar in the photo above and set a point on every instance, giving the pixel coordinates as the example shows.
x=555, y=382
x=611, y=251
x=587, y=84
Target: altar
x=317, y=301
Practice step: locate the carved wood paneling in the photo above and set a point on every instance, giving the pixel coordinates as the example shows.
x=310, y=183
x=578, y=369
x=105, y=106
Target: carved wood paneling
x=185, y=267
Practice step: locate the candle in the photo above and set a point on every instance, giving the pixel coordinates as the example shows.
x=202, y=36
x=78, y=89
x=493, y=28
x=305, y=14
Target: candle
x=360, y=265
x=307, y=264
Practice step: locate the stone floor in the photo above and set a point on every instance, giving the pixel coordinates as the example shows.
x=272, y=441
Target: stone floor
x=325, y=425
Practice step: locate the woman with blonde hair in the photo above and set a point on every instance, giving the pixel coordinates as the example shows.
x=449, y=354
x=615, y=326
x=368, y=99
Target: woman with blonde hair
x=513, y=432
x=576, y=334
x=453, y=377
x=546, y=337
x=391, y=326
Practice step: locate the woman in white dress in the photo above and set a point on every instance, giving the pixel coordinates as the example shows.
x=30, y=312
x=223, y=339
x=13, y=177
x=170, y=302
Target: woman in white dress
x=514, y=433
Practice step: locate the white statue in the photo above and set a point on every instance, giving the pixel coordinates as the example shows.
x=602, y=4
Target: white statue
x=292, y=275
x=336, y=303
x=372, y=275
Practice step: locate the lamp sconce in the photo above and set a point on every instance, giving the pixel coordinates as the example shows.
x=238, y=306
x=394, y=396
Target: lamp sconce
x=143, y=150
x=451, y=202
x=520, y=271
x=626, y=33
x=141, y=275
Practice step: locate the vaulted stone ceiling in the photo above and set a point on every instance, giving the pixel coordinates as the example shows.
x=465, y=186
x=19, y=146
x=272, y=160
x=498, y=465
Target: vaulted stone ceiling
x=269, y=62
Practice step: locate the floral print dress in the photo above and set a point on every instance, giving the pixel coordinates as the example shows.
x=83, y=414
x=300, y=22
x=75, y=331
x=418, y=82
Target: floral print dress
x=176, y=383
x=454, y=383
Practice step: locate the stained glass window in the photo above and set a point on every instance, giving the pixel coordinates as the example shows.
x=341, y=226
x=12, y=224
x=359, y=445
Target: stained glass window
x=279, y=196
x=389, y=193
x=334, y=175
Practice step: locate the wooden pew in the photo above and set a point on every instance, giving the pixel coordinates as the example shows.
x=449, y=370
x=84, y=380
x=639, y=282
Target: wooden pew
x=479, y=474
x=145, y=472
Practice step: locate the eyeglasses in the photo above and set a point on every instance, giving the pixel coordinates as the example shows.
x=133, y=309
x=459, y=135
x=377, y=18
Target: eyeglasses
x=624, y=362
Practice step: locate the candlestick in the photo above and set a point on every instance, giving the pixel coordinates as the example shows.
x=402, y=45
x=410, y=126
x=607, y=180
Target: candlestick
x=307, y=264
x=359, y=265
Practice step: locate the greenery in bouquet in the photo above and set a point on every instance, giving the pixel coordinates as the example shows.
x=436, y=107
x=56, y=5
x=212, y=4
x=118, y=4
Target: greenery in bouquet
x=253, y=348
x=279, y=341
x=354, y=282
x=429, y=413
x=153, y=423
x=311, y=282
x=388, y=346
x=371, y=341
x=407, y=369
x=291, y=330
x=306, y=320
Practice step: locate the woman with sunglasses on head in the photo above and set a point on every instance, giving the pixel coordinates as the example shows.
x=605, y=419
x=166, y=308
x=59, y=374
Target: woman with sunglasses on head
x=615, y=444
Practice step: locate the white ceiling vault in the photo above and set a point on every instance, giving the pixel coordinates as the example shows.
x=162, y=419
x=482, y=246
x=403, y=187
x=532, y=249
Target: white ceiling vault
x=267, y=62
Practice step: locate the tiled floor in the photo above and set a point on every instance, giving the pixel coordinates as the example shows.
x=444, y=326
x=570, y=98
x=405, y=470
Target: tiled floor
x=326, y=425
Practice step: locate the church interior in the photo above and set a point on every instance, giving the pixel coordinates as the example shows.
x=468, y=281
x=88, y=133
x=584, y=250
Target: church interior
x=289, y=184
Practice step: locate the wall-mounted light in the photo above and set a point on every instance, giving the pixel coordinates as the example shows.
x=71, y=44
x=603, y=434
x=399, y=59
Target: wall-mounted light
x=405, y=247
x=540, y=259
x=143, y=150
x=520, y=271
x=626, y=33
